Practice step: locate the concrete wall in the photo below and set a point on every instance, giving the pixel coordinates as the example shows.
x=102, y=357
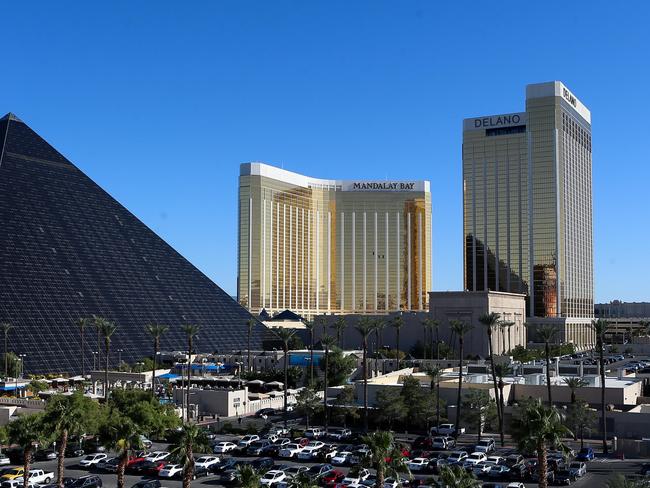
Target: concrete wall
x=618, y=396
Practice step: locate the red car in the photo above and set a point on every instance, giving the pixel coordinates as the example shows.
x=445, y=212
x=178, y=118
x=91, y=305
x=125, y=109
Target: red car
x=332, y=477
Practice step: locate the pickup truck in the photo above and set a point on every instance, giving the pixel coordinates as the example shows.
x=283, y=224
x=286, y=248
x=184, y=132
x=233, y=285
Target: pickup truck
x=36, y=477
x=446, y=429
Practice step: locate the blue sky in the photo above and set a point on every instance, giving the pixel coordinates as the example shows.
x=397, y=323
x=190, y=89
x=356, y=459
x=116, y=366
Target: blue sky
x=160, y=101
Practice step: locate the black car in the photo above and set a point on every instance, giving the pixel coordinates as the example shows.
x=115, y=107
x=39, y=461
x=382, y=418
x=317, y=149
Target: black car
x=262, y=464
x=226, y=464
x=201, y=472
x=89, y=481
x=265, y=412
x=74, y=450
x=147, y=484
x=563, y=477
x=66, y=482
x=142, y=467
x=45, y=455
x=518, y=471
x=228, y=477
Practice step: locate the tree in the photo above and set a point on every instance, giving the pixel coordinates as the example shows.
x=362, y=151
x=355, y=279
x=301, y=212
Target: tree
x=28, y=431
x=574, y=383
x=191, y=439
x=107, y=329
x=432, y=325
x=480, y=408
x=152, y=417
x=580, y=418
x=310, y=325
x=600, y=327
x=339, y=367
x=247, y=476
x=285, y=336
x=538, y=428
x=459, y=328
x=250, y=324
x=156, y=331
x=490, y=321
x=191, y=331
x=457, y=477
x=5, y=328
x=620, y=481
x=345, y=406
x=66, y=416
x=523, y=355
x=501, y=370
x=435, y=373
x=364, y=327
x=546, y=334
x=327, y=342
x=418, y=403
x=13, y=364
x=119, y=433
x=379, y=326
x=384, y=455
x=390, y=406
x=339, y=327
x=397, y=323
x=308, y=403
x=82, y=323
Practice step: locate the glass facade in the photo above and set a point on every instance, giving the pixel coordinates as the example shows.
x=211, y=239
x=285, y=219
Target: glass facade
x=528, y=203
x=328, y=246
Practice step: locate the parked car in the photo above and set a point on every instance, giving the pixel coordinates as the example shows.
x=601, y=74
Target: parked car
x=206, y=461
x=262, y=464
x=272, y=477
x=578, y=469
x=92, y=459
x=247, y=440
x=473, y=459
x=563, y=477
x=88, y=481
x=443, y=442
x=274, y=448
x=290, y=450
x=171, y=471
x=585, y=454
x=339, y=434
x=485, y=445
x=482, y=469
x=223, y=447
x=319, y=469
x=104, y=463
x=265, y=413
x=156, y=456
x=145, y=442
x=147, y=484
x=256, y=448
x=327, y=452
x=45, y=455
x=514, y=459
x=342, y=458
x=331, y=477
x=418, y=464
x=314, y=433
x=35, y=477
x=457, y=457
x=310, y=450
x=74, y=450
x=499, y=471
x=446, y=429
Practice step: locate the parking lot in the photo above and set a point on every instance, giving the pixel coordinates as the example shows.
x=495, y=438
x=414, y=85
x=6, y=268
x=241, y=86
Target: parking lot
x=599, y=470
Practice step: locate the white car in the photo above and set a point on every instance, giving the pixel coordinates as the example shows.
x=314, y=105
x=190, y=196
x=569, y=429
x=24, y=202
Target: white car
x=418, y=464
x=483, y=468
x=447, y=429
x=223, y=447
x=105, y=463
x=339, y=434
x=474, y=458
x=341, y=458
x=516, y=484
x=485, y=445
x=290, y=450
x=310, y=450
x=170, y=470
x=355, y=479
x=496, y=459
x=206, y=461
x=314, y=433
x=92, y=459
x=36, y=477
x=442, y=442
x=247, y=440
x=457, y=457
x=4, y=460
x=156, y=456
x=577, y=469
x=272, y=477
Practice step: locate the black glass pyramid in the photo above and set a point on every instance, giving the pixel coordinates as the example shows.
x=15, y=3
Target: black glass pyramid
x=69, y=250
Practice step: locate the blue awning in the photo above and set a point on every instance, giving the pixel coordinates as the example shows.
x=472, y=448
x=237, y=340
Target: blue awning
x=169, y=376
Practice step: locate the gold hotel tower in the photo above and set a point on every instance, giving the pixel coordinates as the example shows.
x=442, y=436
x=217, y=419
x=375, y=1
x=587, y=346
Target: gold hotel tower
x=319, y=246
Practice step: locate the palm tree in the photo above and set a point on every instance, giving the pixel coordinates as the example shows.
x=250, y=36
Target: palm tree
x=538, y=428
x=328, y=342
x=384, y=455
x=397, y=323
x=5, y=328
x=250, y=324
x=574, y=383
x=65, y=416
x=310, y=325
x=82, y=324
x=457, y=477
x=285, y=336
x=620, y=481
x=191, y=331
x=490, y=321
x=546, y=334
x=107, y=329
x=156, y=331
x=191, y=439
x=121, y=434
x=364, y=327
x=600, y=327
x=247, y=476
x=435, y=373
x=460, y=328
x=432, y=325
x=27, y=431
x=501, y=370
x=339, y=327
x=580, y=417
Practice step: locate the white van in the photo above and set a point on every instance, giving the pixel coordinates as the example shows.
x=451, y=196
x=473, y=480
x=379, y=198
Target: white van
x=314, y=433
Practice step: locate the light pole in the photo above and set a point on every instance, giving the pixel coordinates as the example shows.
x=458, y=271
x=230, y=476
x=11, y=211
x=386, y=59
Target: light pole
x=94, y=360
x=22, y=365
x=119, y=357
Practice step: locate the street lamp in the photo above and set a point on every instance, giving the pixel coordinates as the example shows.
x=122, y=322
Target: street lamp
x=119, y=357
x=22, y=365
